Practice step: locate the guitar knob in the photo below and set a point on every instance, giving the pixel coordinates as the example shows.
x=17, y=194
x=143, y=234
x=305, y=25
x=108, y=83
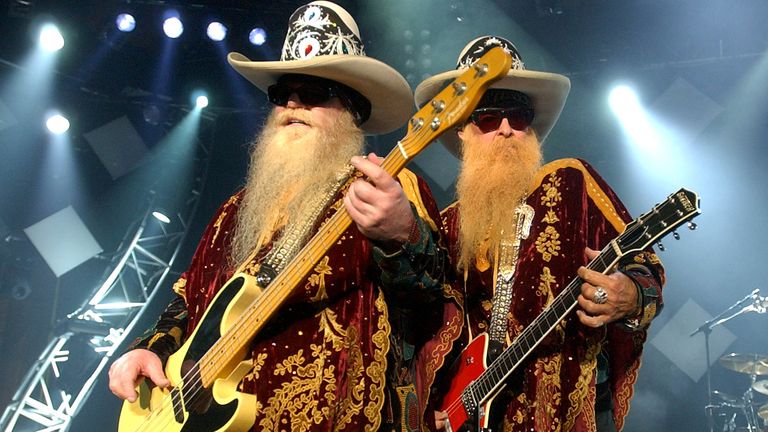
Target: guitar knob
x=661, y=246
x=675, y=235
x=692, y=226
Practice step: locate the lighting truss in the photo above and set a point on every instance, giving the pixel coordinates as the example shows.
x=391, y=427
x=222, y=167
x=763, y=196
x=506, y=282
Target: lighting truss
x=61, y=379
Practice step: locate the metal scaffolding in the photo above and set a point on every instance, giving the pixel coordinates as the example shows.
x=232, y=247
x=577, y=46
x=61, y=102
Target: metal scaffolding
x=61, y=379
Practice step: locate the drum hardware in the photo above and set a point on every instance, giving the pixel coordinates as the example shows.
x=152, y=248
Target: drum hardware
x=763, y=412
x=752, y=302
x=753, y=364
x=761, y=387
x=729, y=407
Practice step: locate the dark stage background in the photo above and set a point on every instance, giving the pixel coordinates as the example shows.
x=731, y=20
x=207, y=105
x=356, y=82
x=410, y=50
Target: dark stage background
x=700, y=68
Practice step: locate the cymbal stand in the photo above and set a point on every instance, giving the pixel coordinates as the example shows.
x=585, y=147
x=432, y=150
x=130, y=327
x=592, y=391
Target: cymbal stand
x=706, y=328
x=749, y=409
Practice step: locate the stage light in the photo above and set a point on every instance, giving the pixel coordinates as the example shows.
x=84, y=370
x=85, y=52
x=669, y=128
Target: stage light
x=635, y=119
x=216, y=31
x=631, y=115
x=201, y=101
x=125, y=22
x=50, y=38
x=624, y=101
x=57, y=124
x=257, y=36
x=173, y=27
x=161, y=215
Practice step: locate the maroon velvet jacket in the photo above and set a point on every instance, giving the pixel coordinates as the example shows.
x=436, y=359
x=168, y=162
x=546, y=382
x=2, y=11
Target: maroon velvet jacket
x=326, y=359
x=574, y=209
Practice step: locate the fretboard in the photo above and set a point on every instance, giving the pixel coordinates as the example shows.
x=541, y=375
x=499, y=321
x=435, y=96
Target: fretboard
x=487, y=384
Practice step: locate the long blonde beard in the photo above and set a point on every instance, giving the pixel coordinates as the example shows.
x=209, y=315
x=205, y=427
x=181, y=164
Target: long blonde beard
x=493, y=180
x=286, y=170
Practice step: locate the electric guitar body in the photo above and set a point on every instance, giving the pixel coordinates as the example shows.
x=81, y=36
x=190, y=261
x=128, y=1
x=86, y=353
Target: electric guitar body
x=471, y=364
x=476, y=381
x=205, y=372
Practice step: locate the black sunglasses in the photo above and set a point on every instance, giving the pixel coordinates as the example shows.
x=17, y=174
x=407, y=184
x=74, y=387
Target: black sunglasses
x=310, y=93
x=489, y=119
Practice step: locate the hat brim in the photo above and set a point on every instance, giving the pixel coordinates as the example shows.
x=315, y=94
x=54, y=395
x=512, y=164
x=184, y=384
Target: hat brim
x=548, y=92
x=389, y=93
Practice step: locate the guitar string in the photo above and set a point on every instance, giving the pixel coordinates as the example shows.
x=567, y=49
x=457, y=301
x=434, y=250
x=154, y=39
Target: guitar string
x=195, y=386
x=458, y=403
x=683, y=217
x=194, y=392
x=393, y=160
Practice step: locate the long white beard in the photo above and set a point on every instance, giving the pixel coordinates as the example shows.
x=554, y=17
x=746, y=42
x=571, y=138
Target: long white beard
x=288, y=169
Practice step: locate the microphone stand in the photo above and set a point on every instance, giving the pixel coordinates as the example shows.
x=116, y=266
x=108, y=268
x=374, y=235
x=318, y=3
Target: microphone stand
x=706, y=328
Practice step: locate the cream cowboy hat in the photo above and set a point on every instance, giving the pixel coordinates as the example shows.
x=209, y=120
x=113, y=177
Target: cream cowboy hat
x=323, y=41
x=547, y=91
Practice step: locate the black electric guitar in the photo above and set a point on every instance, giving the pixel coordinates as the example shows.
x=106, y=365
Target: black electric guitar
x=476, y=383
x=215, y=356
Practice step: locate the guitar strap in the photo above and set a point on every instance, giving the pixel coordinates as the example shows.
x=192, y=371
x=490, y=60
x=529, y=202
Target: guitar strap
x=505, y=262
x=295, y=234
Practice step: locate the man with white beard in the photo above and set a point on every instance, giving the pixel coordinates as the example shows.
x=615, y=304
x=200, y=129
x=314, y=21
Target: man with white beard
x=346, y=351
x=518, y=234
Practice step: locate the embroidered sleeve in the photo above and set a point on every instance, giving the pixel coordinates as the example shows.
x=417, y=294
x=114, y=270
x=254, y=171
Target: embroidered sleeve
x=165, y=337
x=413, y=272
x=646, y=272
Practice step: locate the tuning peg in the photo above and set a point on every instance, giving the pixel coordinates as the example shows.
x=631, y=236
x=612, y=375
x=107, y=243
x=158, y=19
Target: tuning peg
x=438, y=105
x=675, y=235
x=661, y=246
x=459, y=88
x=480, y=69
x=692, y=226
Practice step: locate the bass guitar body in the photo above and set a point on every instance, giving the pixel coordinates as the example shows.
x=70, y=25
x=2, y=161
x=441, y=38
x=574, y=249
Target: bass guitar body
x=206, y=371
x=192, y=403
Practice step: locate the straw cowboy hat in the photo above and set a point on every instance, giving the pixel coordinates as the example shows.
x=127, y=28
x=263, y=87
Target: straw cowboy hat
x=547, y=91
x=323, y=41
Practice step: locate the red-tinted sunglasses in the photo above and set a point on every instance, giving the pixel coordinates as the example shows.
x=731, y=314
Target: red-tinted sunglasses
x=489, y=119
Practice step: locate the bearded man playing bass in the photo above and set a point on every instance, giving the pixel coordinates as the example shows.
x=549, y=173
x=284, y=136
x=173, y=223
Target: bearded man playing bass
x=342, y=351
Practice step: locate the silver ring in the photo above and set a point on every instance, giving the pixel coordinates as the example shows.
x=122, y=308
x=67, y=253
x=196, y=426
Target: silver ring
x=600, y=295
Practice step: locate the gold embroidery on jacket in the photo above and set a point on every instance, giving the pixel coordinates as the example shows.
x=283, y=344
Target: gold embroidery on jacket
x=519, y=416
x=377, y=369
x=180, y=287
x=305, y=400
x=548, y=389
x=548, y=243
x=253, y=376
x=583, y=385
x=547, y=369
x=352, y=403
x=220, y=219
x=550, y=217
x=548, y=281
x=310, y=397
x=318, y=279
x=551, y=195
x=626, y=390
x=298, y=399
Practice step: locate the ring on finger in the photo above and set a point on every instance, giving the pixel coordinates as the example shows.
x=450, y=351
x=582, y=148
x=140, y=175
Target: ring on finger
x=601, y=296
